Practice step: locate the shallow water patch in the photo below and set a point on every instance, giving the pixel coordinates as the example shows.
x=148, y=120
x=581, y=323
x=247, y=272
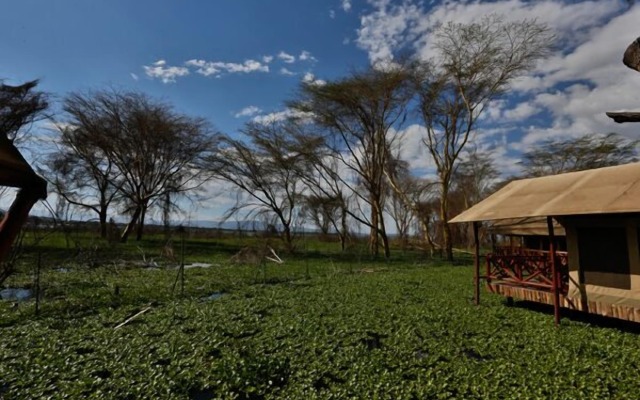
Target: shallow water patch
x=16, y=294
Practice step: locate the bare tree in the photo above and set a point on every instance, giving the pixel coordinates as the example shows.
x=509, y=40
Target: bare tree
x=402, y=217
x=79, y=169
x=359, y=114
x=411, y=198
x=321, y=174
x=132, y=144
x=475, y=177
x=321, y=210
x=475, y=64
x=265, y=173
x=577, y=154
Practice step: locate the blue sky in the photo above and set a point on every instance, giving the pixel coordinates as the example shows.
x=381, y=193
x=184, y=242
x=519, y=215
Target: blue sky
x=231, y=61
x=76, y=45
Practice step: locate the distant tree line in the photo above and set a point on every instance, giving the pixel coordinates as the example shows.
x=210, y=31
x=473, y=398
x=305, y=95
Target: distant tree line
x=337, y=161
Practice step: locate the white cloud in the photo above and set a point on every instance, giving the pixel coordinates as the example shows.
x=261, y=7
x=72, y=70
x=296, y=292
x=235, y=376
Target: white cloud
x=249, y=111
x=207, y=68
x=346, y=5
x=306, y=56
x=288, y=58
x=287, y=72
x=394, y=26
x=413, y=150
x=387, y=28
x=521, y=112
x=311, y=79
x=565, y=95
x=332, y=14
x=159, y=70
x=281, y=116
x=203, y=67
x=134, y=76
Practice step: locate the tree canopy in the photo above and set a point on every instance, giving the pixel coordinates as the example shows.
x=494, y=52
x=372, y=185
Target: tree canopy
x=556, y=156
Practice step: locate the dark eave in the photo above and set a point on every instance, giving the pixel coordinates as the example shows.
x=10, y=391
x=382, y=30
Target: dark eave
x=624, y=116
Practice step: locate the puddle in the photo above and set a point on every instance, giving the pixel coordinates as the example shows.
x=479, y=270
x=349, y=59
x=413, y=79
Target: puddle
x=213, y=296
x=62, y=269
x=198, y=265
x=16, y=294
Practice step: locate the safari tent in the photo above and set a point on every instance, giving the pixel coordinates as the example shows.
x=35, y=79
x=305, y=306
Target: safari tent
x=599, y=212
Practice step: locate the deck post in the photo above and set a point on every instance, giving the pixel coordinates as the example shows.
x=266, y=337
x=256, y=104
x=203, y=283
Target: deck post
x=555, y=281
x=476, y=263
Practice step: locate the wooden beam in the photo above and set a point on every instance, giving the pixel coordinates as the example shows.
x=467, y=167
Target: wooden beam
x=476, y=263
x=624, y=116
x=16, y=217
x=555, y=286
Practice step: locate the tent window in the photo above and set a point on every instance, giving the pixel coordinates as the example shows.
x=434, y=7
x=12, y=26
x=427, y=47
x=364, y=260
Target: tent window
x=604, y=256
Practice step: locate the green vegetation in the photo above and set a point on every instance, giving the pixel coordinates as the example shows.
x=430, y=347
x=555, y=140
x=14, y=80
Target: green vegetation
x=319, y=326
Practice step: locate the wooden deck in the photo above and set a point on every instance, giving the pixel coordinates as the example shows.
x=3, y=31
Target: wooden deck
x=525, y=274
x=507, y=289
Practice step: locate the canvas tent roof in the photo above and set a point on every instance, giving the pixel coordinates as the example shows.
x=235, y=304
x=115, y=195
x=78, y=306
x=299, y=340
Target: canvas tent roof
x=532, y=226
x=596, y=191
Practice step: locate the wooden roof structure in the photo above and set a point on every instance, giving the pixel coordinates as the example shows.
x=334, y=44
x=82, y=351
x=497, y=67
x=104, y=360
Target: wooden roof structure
x=631, y=59
x=16, y=172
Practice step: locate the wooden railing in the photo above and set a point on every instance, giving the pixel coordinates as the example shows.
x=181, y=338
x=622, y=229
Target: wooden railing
x=527, y=268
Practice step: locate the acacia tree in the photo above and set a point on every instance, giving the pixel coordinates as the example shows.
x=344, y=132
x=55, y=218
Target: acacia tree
x=402, y=217
x=79, y=169
x=577, y=154
x=132, y=144
x=359, y=114
x=321, y=210
x=475, y=177
x=264, y=171
x=474, y=65
x=411, y=199
x=321, y=174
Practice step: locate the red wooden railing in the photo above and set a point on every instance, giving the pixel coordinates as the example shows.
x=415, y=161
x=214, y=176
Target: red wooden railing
x=527, y=268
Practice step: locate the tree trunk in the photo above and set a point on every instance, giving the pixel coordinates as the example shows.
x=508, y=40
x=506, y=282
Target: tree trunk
x=166, y=215
x=427, y=235
x=444, y=218
x=140, y=229
x=344, y=234
x=103, y=222
x=383, y=234
x=127, y=230
x=288, y=239
x=374, y=241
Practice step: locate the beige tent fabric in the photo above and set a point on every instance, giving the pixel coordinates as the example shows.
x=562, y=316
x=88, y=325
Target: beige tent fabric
x=597, y=191
x=533, y=226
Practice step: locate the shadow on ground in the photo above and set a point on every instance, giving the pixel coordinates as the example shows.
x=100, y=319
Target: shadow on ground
x=580, y=316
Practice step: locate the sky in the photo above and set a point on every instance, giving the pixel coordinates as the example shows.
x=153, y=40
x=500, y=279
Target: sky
x=233, y=61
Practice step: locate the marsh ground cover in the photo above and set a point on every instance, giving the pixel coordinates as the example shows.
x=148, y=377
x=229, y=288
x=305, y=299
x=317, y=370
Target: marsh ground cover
x=318, y=326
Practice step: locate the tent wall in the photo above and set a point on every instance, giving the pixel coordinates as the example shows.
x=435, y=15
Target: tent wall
x=601, y=274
